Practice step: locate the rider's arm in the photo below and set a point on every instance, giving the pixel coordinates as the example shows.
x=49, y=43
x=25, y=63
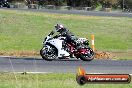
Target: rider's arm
x=51, y=33
x=58, y=35
x=64, y=32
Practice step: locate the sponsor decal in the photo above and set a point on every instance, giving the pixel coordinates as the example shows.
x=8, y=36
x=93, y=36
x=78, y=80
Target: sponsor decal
x=83, y=78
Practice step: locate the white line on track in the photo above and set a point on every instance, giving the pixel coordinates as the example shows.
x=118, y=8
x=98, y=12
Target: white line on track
x=52, y=72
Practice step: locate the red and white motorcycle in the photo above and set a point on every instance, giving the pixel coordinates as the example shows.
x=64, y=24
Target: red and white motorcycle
x=58, y=48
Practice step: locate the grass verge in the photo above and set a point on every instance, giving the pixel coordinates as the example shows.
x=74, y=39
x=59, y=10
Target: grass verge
x=50, y=80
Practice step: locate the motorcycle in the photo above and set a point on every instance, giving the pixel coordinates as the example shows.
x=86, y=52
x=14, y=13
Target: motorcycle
x=57, y=47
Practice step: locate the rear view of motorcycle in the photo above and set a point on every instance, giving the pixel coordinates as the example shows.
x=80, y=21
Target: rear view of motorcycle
x=57, y=47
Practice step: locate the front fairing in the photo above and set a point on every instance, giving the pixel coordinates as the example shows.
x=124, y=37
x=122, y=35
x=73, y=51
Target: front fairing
x=47, y=39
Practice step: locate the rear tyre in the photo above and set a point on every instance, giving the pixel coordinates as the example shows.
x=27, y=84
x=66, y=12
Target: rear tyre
x=87, y=57
x=48, y=53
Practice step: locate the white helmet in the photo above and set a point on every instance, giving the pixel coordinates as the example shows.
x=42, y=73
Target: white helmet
x=59, y=27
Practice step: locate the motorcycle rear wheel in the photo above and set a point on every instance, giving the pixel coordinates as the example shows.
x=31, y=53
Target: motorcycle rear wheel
x=87, y=57
x=49, y=55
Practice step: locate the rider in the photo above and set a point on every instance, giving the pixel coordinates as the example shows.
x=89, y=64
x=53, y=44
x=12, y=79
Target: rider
x=66, y=33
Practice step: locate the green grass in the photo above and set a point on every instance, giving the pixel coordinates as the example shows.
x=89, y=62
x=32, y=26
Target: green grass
x=21, y=30
x=57, y=80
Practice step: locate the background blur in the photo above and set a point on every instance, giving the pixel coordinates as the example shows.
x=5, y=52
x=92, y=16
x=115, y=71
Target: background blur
x=96, y=5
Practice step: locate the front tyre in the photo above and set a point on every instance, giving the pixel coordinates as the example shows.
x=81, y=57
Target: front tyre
x=48, y=53
x=87, y=56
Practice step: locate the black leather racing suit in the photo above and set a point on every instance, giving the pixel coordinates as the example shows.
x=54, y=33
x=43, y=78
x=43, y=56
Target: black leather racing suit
x=70, y=38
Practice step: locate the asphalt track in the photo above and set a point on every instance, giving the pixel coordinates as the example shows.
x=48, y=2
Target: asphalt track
x=12, y=64
x=78, y=12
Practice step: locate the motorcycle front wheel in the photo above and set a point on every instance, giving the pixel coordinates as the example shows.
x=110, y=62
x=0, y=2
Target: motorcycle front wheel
x=48, y=53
